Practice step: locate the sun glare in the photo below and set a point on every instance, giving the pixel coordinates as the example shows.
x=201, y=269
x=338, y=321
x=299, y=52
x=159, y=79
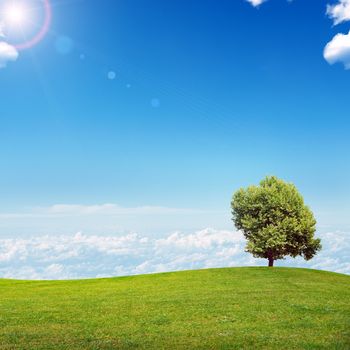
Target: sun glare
x=15, y=14
x=24, y=23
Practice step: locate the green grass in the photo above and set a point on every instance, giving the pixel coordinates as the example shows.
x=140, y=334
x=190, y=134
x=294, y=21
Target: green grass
x=233, y=308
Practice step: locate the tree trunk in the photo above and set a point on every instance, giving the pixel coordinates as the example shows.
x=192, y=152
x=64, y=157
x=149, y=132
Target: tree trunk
x=271, y=260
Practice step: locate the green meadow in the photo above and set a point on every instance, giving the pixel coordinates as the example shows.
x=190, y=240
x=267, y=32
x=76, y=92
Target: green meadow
x=230, y=308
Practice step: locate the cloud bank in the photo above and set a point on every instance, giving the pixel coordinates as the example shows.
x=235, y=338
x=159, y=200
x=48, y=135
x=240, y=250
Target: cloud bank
x=108, y=209
x=8, y=53
x=88, y=256
x=108, y=219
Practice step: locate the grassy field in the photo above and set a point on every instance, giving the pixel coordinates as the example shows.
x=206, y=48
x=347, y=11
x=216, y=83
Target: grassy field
x=233, y=308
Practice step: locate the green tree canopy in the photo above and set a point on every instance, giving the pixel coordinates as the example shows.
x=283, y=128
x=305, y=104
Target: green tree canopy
x=275, y=221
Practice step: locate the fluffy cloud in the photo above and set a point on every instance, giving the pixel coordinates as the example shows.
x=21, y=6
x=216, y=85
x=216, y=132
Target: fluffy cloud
x=339, y=12
x=86, y=256
x=7, y=53
x=256, y=2
x=338, y=50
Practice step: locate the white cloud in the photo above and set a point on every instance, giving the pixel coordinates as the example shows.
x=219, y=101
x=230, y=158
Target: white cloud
x=339, y=12
x=7, y=53
x=205, y=239
x=65, y=210
x=107, y=209
x=87, y=256
x=338, y=50
x=108, y=218
x=256, y=2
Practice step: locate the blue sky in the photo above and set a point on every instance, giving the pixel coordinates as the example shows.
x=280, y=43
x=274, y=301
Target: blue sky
x=164, y=108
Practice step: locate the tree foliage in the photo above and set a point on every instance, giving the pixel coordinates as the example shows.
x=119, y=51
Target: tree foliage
x=275, y=221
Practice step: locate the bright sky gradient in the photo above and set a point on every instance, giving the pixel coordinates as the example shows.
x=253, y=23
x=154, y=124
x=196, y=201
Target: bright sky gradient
x=164, y=108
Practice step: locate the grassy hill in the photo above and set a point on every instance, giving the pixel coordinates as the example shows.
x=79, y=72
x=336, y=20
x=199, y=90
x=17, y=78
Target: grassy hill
x=233, y=308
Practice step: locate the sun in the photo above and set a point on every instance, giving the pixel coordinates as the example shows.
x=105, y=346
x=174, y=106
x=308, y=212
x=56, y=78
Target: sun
x=15, y=13
x=24, y=23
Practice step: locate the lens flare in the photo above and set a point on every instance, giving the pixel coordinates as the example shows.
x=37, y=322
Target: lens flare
x=43, y=30
x=18, y=15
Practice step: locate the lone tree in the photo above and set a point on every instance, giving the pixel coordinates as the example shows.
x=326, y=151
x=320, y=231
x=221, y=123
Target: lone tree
x=275, y=221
